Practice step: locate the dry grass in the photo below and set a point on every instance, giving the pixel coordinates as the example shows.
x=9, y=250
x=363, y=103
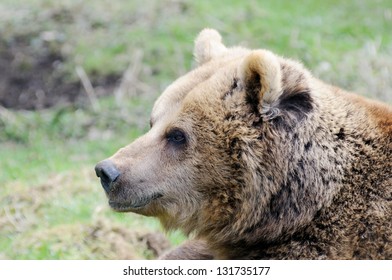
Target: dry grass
x=98, y=239
x=39, y=223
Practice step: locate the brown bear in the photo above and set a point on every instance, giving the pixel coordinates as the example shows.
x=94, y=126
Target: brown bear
x=256, y=159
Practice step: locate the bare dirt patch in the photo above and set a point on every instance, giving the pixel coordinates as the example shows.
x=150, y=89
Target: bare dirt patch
x=32, y=77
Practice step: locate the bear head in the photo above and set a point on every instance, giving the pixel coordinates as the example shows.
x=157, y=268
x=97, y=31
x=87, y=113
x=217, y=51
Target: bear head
x=224, y=158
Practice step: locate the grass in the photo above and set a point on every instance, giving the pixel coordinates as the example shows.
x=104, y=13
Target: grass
x=51, y=205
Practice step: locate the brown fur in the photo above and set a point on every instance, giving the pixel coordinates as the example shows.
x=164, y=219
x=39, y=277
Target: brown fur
x=273, y=163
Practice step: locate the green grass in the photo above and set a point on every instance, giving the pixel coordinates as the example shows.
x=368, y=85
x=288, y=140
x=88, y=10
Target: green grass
x=102, y=37
x=42, y=143
x=50, y=200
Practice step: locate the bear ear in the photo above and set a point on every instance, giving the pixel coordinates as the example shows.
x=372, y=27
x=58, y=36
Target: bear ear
x=208, y=45
x=261, y=76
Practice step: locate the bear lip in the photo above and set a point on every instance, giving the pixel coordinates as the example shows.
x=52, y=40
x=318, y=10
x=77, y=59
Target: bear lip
x=133, y=205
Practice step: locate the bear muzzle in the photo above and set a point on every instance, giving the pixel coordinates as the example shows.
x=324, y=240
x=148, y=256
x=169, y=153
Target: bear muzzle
x=136, y=204
x=121, y=199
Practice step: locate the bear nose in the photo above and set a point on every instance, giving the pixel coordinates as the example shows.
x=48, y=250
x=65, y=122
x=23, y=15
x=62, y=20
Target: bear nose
x=108, y=173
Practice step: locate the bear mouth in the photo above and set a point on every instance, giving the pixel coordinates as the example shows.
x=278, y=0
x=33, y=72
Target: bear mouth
x=127, y=206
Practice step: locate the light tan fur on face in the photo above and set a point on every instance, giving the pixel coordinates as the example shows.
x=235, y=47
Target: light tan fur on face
x=275, y=163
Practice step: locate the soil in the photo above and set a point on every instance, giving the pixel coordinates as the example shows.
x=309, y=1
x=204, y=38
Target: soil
x=32, y=77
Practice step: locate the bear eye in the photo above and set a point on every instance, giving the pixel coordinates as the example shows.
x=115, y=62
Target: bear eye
x=176, y=136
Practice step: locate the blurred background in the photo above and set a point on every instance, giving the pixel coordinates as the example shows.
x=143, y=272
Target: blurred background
x=78, y=80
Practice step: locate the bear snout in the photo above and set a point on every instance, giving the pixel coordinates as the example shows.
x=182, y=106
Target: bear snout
x=108, y=173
